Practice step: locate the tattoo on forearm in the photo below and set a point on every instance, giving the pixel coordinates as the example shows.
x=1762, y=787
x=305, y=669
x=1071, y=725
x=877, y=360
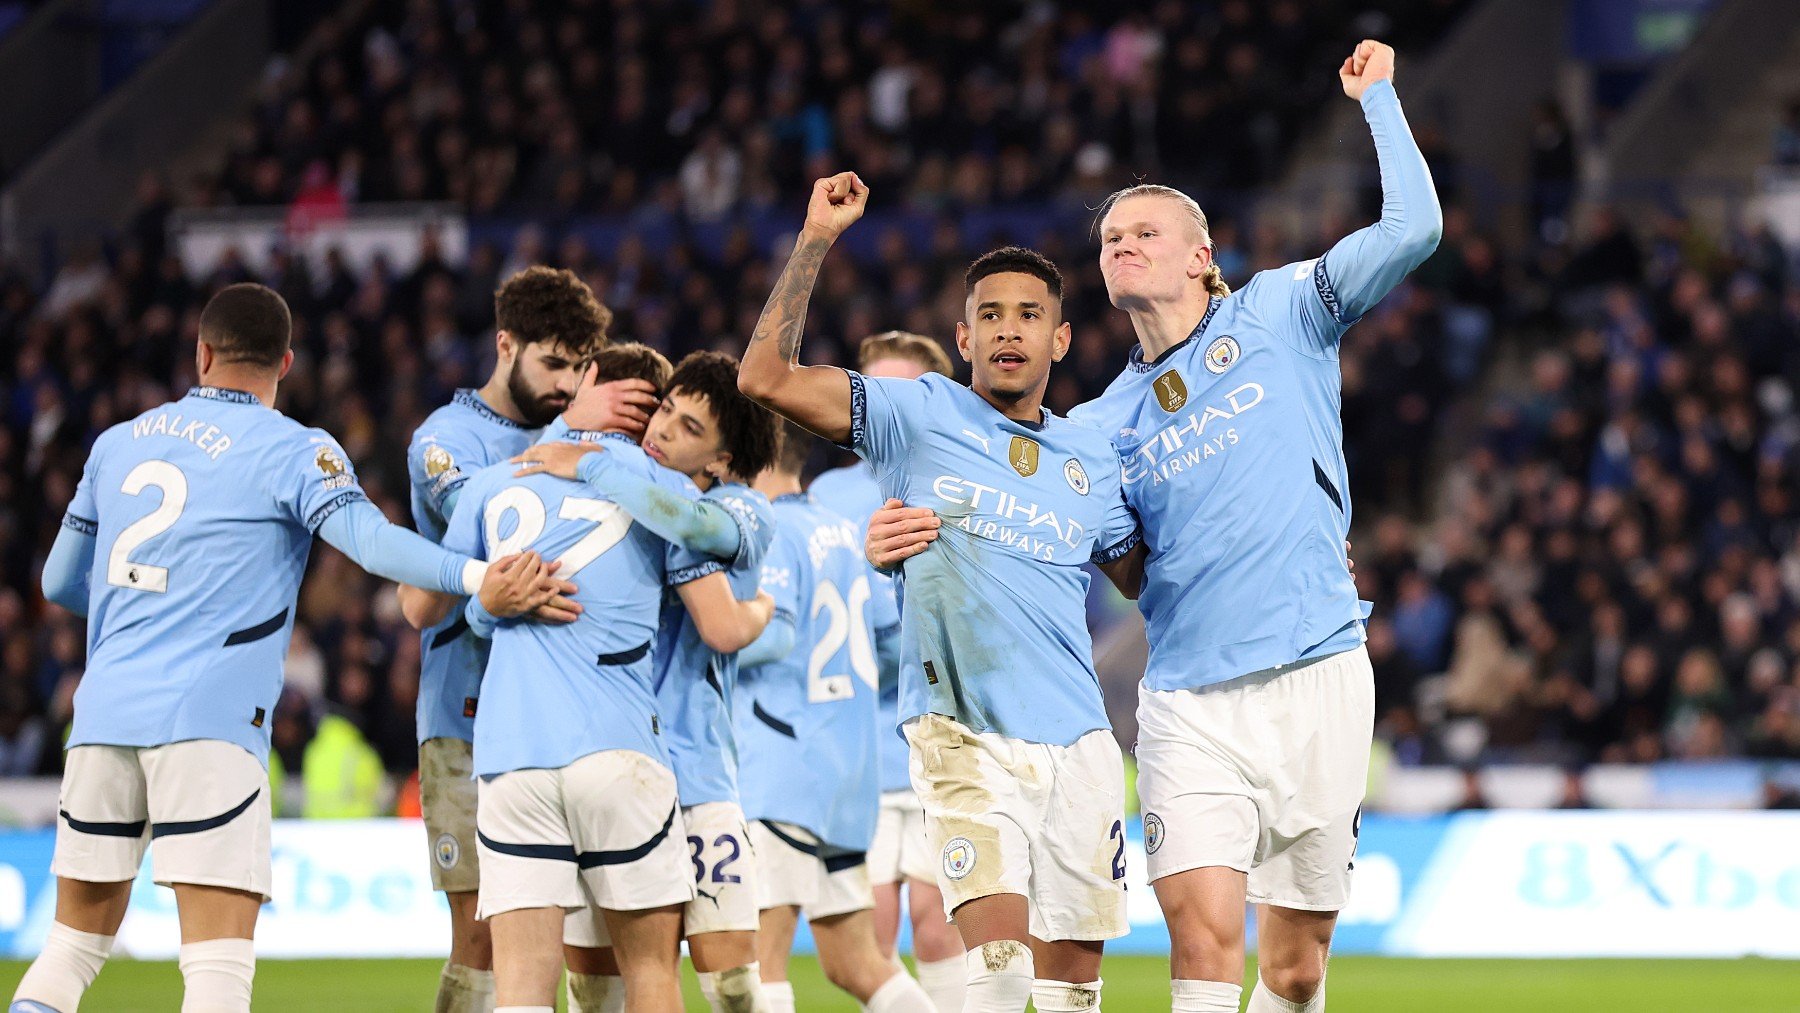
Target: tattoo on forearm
x=784, y=315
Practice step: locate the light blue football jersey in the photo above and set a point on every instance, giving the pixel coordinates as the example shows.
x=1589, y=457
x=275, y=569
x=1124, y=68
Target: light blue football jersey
x=1233, y=447
x=806, y=725
x=453, y=443
x=995, y=615
x=555, y=693
x=854, y=493
x=203, y=512
x=694, y=683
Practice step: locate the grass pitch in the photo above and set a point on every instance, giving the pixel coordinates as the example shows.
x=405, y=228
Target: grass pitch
x=1358, y=985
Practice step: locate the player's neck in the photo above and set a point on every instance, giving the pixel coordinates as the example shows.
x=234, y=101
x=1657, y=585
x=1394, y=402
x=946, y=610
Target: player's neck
x=1027, y=408
x=773, y=483
x=704, y=480
x=1161, y=326
x=260, y=383
x=498, y=396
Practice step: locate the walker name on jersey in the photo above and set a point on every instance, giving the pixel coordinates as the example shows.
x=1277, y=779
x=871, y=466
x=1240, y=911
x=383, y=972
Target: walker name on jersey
x=211, y=440
x=1186, y=441
x=1007, y=519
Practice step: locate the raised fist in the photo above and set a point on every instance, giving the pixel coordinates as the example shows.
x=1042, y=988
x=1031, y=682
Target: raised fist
x=836, y=203
x=1371, y=62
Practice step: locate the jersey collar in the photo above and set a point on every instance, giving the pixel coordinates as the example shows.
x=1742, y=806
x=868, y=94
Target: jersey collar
x=224, y=394
x=796, y=497
x=1135, y=362
x=470, y=399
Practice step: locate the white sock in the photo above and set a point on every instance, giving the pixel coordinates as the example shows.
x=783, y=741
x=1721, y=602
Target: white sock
x=596, y=993
x=464, y=989
x=779, y=995
x=900, y=994
x=1196, y=995
x=999, y=976
x=1264, y=1001
x=943, y=981
x=738, y=990
x=64, y=968
x=1051, y=996
x=216, y=975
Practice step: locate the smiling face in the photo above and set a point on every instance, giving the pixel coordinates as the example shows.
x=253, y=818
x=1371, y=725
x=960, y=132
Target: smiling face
x=1151, y=251
x=684, y=435
x=1013, y=331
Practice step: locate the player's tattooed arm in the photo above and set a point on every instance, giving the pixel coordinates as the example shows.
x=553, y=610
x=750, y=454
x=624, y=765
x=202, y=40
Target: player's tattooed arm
x=898, y=532
x=816, y=397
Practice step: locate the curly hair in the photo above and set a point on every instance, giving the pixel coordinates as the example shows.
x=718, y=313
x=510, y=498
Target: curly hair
x=747, y=430
x=545, y=304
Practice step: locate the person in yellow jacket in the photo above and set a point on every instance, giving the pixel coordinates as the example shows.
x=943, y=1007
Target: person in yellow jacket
x=342, y=773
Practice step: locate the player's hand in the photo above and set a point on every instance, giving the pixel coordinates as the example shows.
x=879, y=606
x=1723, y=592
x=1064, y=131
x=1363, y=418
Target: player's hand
x=836, y=203
x=618, y=405
x=1348, y=558
x=559, y=459
x=1371, y=62
x=764, y=604
x=519, y=583
x=560, y=610
x=898, y=532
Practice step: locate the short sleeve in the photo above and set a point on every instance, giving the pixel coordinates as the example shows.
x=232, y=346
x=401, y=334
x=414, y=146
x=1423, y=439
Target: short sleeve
x=782, y=577
x=1119, y=531
x=885, y=414
x=463, y=531
x=83, y=513
x=439, y=462
x=755, y=520
x=315, y=478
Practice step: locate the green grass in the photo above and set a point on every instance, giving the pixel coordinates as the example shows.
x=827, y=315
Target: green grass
x=1132, y=984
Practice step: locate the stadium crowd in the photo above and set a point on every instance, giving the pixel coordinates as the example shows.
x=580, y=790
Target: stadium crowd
x=1605, y=567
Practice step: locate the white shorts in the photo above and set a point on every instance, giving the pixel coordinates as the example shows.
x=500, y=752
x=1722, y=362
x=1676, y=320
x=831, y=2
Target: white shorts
x=723, y=864
x=603, y=831
x=1263, y=774
x=1042, y=821
x=794, y=870
x=204, y=803
x=902, y=848
x=447, y=800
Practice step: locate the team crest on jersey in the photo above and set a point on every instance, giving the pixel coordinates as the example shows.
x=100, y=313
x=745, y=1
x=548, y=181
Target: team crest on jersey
x=959, y=857
x=1076, y=475
x=1222, y=354
x=447, y=851
x=1153, y=833
x=336, y=472
x=1171, y=391
x=437, y=461
x=1023, y=456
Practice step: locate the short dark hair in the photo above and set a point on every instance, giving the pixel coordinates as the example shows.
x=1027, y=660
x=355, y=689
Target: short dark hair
x=546, y=304
x=630, y=360
x=1015, y=260
x=917, y=348
x=248, y=323
x=796, y=448
x=746, y=428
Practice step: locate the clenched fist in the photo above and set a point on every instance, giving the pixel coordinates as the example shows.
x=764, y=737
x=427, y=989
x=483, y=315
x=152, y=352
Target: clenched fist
x=1371, y=62
x=836, y=203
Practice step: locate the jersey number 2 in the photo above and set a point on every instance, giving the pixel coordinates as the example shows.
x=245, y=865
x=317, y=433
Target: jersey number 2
x=120, y=570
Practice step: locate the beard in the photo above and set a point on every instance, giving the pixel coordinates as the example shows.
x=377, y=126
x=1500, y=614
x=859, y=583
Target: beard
x=539, y=409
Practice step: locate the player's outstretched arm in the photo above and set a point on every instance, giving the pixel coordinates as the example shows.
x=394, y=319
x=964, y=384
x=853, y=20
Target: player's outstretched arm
x=723, y=622
x=697, y=524
x=816, y=397
x=66, y=569
x=1366, y=265
x=898, y=532
x=772, y=644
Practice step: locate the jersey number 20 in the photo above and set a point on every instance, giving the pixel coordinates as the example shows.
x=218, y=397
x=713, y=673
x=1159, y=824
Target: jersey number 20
x=844, y=622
